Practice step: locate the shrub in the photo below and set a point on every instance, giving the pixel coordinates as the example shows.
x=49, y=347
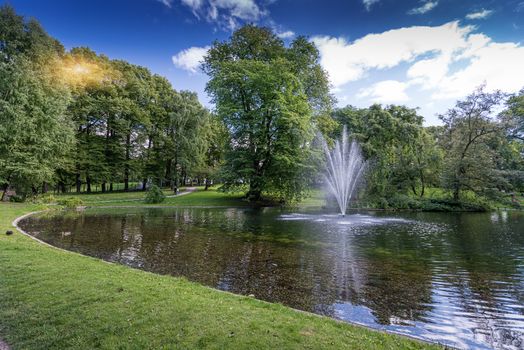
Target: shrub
x=70, y=202
x=154, y=195
x=401, y=201
x=16, y=199
x=381, y=203
x=44, y=199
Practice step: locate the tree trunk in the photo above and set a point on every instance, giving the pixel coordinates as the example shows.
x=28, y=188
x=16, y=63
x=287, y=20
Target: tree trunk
x=176, y=178
x=4, y=191
x=103, y=187
x=456, y=193
x=144, y=181
x=44, y=187
x=255, y=188
x=88, y=183
x=126, y=168
x=61, y=187
x=208, y=183
x=110, y=187
x=78, y=183
x=168, y=175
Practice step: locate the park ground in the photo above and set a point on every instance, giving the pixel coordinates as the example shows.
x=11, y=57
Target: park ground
x=52, y=299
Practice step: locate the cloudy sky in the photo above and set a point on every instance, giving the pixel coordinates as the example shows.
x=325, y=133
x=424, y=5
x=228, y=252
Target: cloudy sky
x=420, y=53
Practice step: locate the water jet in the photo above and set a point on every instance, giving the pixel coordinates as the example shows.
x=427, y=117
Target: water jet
x=345, y=166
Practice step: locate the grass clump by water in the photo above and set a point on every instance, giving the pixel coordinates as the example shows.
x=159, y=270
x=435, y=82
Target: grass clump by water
x=61, y=300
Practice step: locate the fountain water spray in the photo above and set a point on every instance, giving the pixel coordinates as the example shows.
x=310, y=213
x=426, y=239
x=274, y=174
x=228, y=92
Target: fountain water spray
x=345, y=166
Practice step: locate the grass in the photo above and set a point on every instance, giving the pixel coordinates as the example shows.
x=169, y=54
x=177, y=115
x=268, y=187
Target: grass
x=55, y=299
x=200, y=197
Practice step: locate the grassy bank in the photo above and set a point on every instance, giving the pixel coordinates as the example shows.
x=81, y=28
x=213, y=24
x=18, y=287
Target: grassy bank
x=55, y=299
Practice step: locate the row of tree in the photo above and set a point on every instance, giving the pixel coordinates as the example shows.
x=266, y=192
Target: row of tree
x=74, y=119
x=77, y=119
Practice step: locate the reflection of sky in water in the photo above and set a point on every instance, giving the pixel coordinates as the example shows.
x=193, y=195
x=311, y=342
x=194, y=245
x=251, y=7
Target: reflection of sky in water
x=354, y=219
x=456, y=279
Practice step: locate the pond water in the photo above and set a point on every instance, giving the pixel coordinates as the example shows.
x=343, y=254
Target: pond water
x=456, y=279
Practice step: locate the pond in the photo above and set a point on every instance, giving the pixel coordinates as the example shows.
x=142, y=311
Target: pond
x=453, y=278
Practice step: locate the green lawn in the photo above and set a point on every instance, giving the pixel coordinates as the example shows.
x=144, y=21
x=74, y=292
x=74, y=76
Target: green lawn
x=55, y=299
x=200, y=197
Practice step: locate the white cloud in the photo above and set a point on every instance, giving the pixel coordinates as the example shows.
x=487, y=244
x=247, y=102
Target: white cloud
x=194, y=4
x=369, y=3
x=190, y=59
x=166, y=2
x=499, y=65
x=242, y=9
x=288, y=34
x=387, y=91
x=346, y=62
x=479, y=14
x=226, y=13
x=426, y=7
x=443, y=62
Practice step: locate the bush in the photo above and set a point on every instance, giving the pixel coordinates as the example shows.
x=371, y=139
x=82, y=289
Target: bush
x=17, y=199
x=47, y=198
x=381, y=203
x=154, y=195
x=71, y=202
x=401, y=201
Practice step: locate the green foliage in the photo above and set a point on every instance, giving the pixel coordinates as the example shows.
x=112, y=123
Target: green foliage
x=154, y=195
x=470, y=139
x=46, y=198
x=35, y=134
x=402, y=155
x=268, y=97
x=70, y=202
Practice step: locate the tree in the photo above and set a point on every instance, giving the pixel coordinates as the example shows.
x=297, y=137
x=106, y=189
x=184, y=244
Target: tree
x=403, y=156
x=470, y=132
x=510, y=160
x=35, y=134
x=513, y=116
x=266, y=94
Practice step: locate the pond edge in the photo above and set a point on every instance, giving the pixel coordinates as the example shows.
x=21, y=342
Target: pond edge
x=326, y=318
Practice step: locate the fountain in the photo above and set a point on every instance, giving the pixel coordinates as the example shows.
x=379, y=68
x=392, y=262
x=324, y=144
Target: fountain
x=345, y=166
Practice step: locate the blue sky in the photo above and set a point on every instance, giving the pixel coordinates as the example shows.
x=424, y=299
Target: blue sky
x=421, y=53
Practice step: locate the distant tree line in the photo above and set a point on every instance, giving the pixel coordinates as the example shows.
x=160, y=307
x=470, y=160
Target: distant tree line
x=78, y=119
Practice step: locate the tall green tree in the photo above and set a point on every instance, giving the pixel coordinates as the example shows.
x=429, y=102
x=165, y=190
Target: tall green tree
x=35, y=133
x=267, y=94
x=470, y=137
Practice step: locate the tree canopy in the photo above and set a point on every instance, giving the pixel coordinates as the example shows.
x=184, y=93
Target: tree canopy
x=268, y=96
